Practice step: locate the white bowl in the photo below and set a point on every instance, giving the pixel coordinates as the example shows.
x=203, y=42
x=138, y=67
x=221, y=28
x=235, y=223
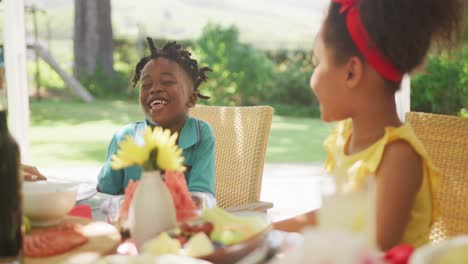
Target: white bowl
x=432, y=254
x=46, y=203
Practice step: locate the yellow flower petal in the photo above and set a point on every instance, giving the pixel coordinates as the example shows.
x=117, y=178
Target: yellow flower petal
x=168, y=155
x=150, y=140
x=129, y=154
x=169, y=158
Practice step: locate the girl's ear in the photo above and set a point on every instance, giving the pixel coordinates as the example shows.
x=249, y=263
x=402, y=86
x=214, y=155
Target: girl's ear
x=192, y=100
x=354, y=71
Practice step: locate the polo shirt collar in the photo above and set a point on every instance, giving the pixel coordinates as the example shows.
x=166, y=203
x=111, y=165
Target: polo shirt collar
x=190, y=133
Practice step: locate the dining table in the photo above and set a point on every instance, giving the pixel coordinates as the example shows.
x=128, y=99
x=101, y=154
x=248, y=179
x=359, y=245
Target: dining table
x=97, y=207
x=101, y=207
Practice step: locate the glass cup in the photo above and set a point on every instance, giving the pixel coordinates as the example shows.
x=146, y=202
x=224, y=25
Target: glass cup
x=352, y=210
x=111, y=209
x=203, y=200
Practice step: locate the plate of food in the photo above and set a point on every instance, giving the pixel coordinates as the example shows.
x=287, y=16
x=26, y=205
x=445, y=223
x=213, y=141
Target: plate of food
x=216, y=236
x=75, y=240
x=146, y=258
x=85, y=191
x=451, y=251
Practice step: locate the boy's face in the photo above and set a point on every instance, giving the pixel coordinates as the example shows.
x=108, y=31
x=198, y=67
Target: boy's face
x=166, y=93
x=328, y=84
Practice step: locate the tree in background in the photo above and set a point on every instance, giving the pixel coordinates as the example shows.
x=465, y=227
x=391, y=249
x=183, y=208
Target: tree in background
x=290, y=83
x=443, y=87
x=93, y=38
x=240, y=73
x=243, y=75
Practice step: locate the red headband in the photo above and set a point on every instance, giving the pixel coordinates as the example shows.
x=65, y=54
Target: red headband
x=361, y=39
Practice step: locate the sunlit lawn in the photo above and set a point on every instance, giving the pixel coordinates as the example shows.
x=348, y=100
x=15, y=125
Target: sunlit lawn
x=67, y=133
x=297, y=140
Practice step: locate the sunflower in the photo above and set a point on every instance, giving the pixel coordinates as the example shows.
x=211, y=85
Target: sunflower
x=158, y=152
x=129, y=154
x=169, y=156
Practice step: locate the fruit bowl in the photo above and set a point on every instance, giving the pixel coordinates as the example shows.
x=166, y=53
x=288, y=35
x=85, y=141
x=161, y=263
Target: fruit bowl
x=120, y=259
x=225, y=245
x=46, y=203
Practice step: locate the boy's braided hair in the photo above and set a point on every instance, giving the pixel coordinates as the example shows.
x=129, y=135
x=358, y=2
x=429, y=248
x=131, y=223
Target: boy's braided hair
x=178, y=54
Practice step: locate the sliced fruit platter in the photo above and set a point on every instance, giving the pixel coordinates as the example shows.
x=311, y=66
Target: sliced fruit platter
x=63, y=242
x=217, y=236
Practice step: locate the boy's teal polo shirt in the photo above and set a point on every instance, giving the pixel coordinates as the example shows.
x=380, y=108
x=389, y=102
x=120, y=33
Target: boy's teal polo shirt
x=197, y=141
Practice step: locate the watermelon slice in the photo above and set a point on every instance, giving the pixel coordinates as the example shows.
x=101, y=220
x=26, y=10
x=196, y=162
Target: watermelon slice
x=129, y=192
x=177, y=185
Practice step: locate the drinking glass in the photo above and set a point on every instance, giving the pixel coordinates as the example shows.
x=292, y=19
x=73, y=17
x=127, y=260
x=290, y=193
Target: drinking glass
x=352, y=210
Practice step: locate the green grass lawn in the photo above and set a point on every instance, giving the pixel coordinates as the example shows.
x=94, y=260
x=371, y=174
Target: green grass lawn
x=65, y=133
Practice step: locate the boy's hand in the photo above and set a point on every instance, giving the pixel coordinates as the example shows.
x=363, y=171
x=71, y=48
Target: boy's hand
x=31, y=173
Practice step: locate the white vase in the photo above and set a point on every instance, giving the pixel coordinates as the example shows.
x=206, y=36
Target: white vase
x=152, y=209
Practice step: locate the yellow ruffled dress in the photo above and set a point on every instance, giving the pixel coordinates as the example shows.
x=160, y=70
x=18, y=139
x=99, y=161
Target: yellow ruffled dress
x=352, y=170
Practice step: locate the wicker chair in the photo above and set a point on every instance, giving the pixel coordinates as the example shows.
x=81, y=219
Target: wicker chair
x=241, y=137
x=446, y=140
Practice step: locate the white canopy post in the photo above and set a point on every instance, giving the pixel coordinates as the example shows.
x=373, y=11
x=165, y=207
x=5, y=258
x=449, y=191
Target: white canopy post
x=403, y=97
x=16, y=74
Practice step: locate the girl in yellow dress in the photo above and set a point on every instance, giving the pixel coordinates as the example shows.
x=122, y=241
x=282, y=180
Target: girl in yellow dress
x=360, y=54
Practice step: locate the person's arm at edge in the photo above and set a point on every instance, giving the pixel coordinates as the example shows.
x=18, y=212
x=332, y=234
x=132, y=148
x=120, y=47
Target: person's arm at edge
x=31, y=173
x=297, y=223
x=399, y=178
x=110, y=181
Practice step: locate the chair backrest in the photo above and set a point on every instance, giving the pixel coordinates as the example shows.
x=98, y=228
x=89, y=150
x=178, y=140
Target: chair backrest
x=446, y=140
x=241, y=138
